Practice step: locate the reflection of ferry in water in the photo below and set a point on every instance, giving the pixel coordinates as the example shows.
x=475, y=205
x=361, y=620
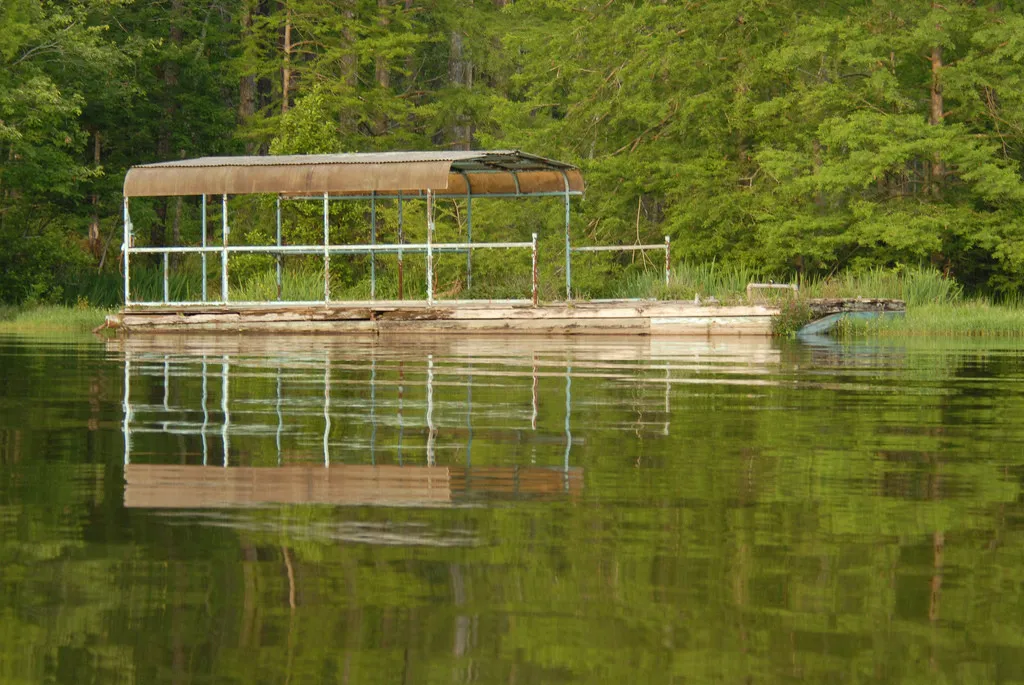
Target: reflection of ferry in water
x=405, y=407
x=202, y=487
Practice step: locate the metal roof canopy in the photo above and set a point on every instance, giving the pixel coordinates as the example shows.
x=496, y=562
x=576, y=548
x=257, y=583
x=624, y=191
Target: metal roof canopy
x=453, y=172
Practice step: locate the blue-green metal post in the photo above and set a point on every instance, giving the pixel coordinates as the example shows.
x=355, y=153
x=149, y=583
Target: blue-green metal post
x=568, y=248
x=469, y=239
x=401, y=239
x=469, y=231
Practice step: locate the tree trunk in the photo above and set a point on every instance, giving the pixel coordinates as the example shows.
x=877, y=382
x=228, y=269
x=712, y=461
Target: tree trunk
x=158, y=232
x=382, y=71
x=348, y=58
x=348, y=64
x=935, y=117
x=94, y=222
x=460, y=73
x=286, y=71
x=247, y=82
x=176, y=229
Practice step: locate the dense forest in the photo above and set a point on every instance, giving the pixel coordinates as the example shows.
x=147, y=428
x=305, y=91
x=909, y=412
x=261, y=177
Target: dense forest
x=797, y=137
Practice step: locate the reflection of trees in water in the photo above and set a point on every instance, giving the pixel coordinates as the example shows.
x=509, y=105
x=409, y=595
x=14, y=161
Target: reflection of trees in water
x=784, y=529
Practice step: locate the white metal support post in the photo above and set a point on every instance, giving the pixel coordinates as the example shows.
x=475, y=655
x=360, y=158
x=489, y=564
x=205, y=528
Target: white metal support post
x=224, y=249
x=280, y=257
x=204, y=246
x=430, y=248
x=126, y=247
x=327, y=251
x=533, y=290
x=668, y=259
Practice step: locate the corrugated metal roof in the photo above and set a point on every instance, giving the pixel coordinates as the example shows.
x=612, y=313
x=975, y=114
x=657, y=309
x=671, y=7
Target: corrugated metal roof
x=494, y=171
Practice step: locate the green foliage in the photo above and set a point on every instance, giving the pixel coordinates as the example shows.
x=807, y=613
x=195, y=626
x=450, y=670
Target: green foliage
x=39, y=319
x=913, y=285
x=725, y=283
x=297, y=284
x=794, y=139
x=40, y=266
x=793, y=315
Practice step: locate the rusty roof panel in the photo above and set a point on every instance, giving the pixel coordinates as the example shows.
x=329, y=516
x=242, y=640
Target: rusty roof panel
x=383, y=172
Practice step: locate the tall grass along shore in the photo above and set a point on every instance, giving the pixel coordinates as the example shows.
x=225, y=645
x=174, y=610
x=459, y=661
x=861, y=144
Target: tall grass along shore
x=936, y=305
x=51, y=318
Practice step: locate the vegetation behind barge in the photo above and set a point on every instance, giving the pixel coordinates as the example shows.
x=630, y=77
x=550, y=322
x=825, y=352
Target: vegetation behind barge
x=804, y=137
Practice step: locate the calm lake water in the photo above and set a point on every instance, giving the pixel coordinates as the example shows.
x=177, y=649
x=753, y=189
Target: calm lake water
x=315, y=510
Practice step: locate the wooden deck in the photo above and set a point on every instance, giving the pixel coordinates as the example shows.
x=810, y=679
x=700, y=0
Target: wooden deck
x=622, y=317
x=505, y=317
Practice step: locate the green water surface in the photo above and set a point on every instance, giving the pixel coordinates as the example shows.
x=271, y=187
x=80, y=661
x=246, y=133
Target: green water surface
x=349, y=510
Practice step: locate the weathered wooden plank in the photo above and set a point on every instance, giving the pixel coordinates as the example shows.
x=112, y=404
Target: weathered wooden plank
x=711, y=325
x=633, y=326
x=414, y=317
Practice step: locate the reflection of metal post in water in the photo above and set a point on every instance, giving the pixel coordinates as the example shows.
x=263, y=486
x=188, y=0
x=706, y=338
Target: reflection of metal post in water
x=280, y=418
x=668, y=409
x=373, y=409
x=401, y=393
x=430, y=410
x=469, y=420
x=126, y=408
x=568, y=415
x=533, y=401
x=327, y=408
x=167, y=383
x=206, y=412
x=225, y=371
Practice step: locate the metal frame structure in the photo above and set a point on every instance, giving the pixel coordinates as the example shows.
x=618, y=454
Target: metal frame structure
x=327, y=178
x=667, y=247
